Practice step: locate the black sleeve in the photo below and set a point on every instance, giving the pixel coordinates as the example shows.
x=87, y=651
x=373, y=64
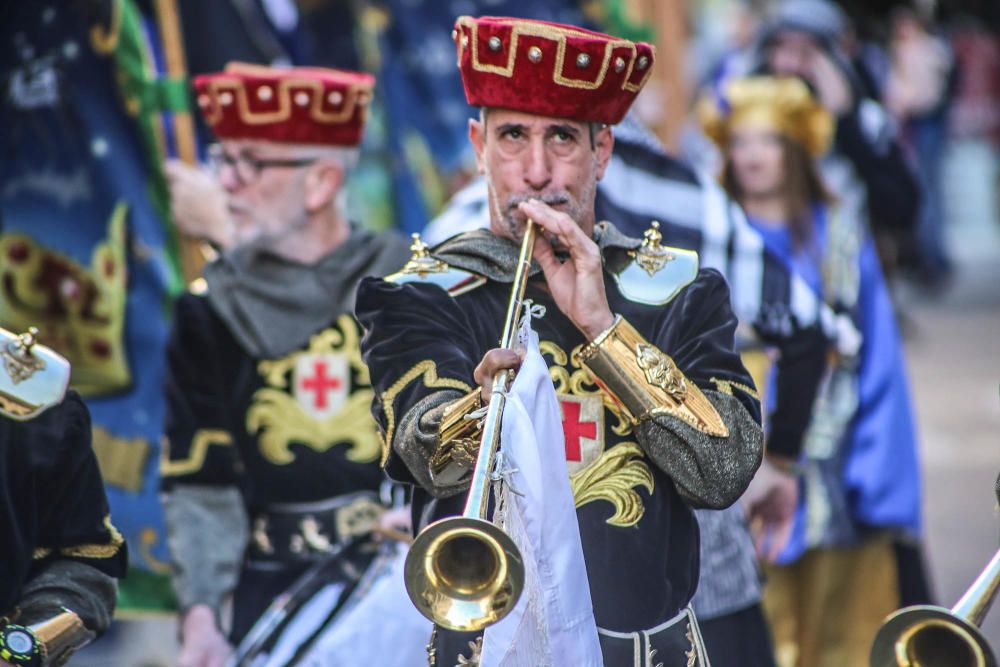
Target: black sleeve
x=707, y=351
x=417, y=347
x=199, y=448
x=893, y=192
x=708, y=471
x=74, y=519
x=800, y=367
x=79, y=552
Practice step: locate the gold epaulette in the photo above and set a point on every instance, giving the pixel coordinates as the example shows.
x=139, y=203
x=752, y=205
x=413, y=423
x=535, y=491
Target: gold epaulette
x=423, y=268
x=33, y=377
x=657, y=273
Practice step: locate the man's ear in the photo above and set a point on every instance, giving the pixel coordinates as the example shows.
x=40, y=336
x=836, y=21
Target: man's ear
x=323, y=182
x=477, y=137
x=604, y=143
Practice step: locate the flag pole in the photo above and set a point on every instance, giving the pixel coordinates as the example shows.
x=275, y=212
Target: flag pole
x=192, y=255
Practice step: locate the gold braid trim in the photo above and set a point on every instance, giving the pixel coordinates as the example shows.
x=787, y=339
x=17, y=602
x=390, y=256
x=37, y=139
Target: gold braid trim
x=200, y=443
x=726, y=387
x=427, y=371
x=97, y=550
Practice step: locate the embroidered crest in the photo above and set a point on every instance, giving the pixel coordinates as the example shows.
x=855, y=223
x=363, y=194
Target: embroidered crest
x=311, y=399
x=596, y=473
x=321, y=383
x=583, y=430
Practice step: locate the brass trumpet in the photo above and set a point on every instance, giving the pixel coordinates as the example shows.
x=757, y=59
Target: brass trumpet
x=930, y=636
x=463, y=572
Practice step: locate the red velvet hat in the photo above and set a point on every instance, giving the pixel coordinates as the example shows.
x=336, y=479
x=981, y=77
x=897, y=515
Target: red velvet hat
x=549, y=69
x=299, y=105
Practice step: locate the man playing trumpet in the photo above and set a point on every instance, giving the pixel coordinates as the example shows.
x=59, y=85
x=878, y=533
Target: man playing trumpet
x=659, y=416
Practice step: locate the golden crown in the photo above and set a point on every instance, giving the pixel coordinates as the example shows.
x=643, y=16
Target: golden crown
x=783, y=104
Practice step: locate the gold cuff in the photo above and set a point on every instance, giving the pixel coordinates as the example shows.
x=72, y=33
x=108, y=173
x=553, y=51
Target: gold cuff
x=459, y=440
x=645, y=381
x=61, y=636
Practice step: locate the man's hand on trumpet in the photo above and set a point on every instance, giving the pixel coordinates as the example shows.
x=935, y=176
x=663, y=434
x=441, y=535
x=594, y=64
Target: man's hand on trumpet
x=577, y=284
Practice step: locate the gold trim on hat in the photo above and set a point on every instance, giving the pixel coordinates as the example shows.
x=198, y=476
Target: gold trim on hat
x=560, y=36
x=355, y=95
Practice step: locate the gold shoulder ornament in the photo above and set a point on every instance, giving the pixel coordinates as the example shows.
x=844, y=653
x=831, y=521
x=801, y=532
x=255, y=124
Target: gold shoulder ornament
x=425, y=268
x=33, y=377
x=657, y=273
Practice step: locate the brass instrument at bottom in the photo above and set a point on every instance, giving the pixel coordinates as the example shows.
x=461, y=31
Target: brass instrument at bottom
x=463, y=572
x=931, y=636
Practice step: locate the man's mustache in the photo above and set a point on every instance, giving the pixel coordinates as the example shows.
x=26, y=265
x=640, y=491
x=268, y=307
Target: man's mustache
x=550, y=199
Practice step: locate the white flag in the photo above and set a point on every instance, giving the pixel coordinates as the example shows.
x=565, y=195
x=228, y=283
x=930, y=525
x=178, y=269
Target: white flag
x=553, y=622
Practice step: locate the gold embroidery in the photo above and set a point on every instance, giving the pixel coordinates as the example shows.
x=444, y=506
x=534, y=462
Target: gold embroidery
x=122, y=460
x=476, y=648
x=579, y=383
x=559, y=35
x=40, y=553
x=614, y=478
x=619, y=469
x=692, y=653
x=278, y=419
x=97, y=550
x=147, y=540
x=726, y=387
x=200, y=442
x=356, y=94
x=427, y=370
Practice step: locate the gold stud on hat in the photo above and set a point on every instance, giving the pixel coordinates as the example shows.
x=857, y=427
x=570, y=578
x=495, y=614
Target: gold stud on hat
x=264, y=93
x=494, y=43
x=619, y=64
x=643, y=62
x=582, y=60
x=534, y=54
x=302, y=98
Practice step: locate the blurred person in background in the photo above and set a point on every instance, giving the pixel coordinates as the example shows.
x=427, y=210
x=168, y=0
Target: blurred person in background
x=272, y=458
x=866, y=167
x=836, y=575
x=917, y=95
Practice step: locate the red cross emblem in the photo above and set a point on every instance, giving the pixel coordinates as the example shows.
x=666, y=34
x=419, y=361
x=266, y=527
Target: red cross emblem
x=321, y=383
x=583, y=429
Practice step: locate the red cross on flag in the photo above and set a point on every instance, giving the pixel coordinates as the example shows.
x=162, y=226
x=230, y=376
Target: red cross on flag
x=321, y=383
x=583, y=429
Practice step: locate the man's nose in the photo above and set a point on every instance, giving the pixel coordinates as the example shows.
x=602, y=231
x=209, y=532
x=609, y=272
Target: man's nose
x=229, y=179
x=538, y=167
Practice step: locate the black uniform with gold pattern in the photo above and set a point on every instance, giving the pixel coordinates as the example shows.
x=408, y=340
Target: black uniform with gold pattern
x=293, y=434
x=681, y=431
x=61, y=555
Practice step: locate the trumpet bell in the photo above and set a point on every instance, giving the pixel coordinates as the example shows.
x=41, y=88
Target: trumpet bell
x=928, y=636
x=464, y=573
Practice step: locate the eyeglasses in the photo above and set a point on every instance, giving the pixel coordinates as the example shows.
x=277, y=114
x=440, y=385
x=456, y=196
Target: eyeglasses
x=247, y=167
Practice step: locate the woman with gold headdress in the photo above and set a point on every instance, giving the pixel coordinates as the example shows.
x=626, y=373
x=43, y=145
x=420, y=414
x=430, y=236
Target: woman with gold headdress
x=833, y=573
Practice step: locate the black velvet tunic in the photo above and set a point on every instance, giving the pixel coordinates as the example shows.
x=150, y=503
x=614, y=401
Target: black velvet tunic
x=52, y=501
x=639, y=535
x=288, y=430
